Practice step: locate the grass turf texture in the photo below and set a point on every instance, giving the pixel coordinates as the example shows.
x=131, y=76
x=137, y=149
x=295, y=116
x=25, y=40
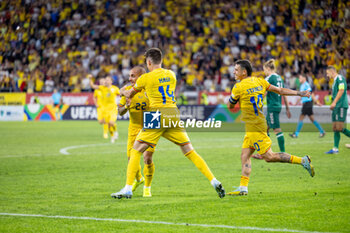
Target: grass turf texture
x=36, y=178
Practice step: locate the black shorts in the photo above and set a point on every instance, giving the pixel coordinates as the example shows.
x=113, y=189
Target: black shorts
x=307, y=109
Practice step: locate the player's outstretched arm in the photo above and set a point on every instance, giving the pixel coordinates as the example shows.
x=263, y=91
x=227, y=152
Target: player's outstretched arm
x=92, y=84
x=286, y=91
x=127, y=93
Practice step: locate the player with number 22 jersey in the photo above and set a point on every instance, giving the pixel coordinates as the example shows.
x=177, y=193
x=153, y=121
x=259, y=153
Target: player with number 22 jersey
x=160, y=84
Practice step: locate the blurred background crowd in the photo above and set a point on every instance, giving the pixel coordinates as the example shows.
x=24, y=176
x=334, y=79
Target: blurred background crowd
x=56, y=43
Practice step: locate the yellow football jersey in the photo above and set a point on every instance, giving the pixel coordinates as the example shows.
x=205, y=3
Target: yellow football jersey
x=109, y=95
x=160, y=87
x=98, y=96
x=250, y=94
x=139, y=103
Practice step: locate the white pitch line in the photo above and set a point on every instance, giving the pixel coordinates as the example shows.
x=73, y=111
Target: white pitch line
x=65, y=149
x=18, y=156
x=159, y=222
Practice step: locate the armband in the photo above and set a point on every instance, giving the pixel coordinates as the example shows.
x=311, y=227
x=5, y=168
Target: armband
x=233, y=101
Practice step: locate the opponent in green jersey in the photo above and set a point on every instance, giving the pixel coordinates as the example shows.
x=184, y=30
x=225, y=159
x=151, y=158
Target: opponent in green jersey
x=339, y=107
x=274, y=102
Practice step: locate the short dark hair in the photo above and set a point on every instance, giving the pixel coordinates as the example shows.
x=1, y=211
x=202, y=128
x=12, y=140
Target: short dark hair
x=245, y=64
x=155, y=54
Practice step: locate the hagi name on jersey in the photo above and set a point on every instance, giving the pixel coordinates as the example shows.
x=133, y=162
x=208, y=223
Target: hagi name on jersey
x=164, y=80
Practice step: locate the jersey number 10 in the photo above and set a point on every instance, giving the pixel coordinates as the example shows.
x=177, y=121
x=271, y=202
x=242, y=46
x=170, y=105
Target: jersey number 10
x=162, y=92
x=258, y=105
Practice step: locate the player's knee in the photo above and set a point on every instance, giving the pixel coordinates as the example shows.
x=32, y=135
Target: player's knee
x=147, y=157
x=186, y=148
x=278, y=130
x=140, y=146
x=337, y=128
x=147, y=160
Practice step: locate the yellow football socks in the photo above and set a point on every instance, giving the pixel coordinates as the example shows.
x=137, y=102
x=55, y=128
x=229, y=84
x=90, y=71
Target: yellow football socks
x=148, y=171
x=105, y=129
x=295, y=159
x=138, y=174
x=133, y=166
x=112, y=129
x=200, y=164
x=244, y=181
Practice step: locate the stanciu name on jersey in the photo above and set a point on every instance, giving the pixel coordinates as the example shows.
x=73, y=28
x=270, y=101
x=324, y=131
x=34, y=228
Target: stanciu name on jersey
x=192, y=123
x=255, y=89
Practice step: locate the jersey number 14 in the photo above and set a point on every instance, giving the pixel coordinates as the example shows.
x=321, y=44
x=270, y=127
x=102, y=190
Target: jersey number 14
x=162, y=92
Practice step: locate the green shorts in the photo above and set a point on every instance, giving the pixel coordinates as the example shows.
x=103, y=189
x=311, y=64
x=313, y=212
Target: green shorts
x=339, y=114
x=273, y=120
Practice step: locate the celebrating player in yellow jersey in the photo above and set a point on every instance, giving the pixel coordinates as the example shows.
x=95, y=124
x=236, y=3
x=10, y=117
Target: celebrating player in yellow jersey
x=159, y=85
x=109, y=95
x=136, y=106
x=99, y=107
x=249, y=93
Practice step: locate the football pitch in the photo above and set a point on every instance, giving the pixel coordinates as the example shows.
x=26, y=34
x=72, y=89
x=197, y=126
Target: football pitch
x=58, y=177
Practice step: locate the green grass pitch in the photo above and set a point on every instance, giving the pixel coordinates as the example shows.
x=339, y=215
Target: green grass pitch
x=37, y=179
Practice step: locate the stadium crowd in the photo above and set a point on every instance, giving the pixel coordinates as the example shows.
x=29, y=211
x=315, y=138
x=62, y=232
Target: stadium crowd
x=56, y=43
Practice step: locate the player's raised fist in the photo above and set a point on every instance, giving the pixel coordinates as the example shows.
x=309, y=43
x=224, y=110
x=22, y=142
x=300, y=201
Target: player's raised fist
x=122, y=90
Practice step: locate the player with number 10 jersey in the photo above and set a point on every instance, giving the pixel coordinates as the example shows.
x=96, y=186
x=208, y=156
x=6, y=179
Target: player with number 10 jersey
x=249, y=93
